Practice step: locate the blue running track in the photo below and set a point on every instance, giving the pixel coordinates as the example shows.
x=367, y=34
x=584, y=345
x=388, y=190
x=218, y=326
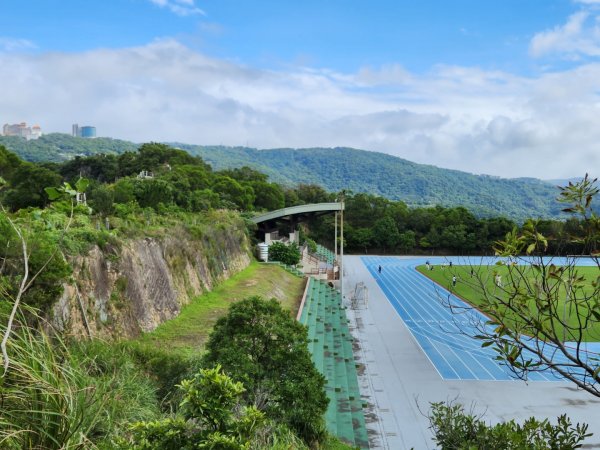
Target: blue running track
x=439, y=332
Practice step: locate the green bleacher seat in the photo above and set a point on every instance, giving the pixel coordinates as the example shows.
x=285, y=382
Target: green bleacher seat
x=330, y=344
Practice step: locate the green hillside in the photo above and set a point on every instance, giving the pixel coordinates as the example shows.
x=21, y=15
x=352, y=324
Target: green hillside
x=57, y=147
x=339, y=168
x=393, y=178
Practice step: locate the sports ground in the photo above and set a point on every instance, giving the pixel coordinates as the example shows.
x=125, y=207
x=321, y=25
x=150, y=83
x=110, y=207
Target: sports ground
x=415, y=351
x=444, y=336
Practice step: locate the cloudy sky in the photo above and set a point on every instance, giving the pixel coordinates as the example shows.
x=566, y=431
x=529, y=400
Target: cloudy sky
x=503, y=87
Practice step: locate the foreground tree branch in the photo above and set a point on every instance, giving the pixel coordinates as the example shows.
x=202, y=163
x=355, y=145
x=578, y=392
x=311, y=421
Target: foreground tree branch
x=542, y=315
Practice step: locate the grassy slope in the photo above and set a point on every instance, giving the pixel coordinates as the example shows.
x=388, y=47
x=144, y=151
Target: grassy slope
x=467, y=288
x=189, y=331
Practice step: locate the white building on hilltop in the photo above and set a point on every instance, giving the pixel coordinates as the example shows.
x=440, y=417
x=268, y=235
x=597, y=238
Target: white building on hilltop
x=22, y=130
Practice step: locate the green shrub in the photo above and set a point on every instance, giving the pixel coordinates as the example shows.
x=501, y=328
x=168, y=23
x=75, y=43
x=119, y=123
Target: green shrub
x=259, y=344
x=124, y=210
x=202, y=200
x=455, y=430
x=210, y=418
x=152, y=192
x=123, y=191
x=44, y=254
x=167, y=369
x=312, y=245
x=101, y=199
x=287, y=254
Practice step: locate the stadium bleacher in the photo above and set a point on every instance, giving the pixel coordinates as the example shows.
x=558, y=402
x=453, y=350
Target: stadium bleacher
x=326, y=255
x=330, y=344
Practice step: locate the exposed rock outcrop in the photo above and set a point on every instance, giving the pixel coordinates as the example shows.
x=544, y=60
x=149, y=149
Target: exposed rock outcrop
x=122, y=291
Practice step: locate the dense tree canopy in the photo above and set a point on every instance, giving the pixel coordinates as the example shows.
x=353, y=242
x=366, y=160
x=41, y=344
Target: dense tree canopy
x=180, y=180
x=261, y=345
x=27, y=183
x=334, y=169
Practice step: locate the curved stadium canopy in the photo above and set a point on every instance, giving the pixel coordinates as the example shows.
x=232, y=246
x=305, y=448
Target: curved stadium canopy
x=295, y=214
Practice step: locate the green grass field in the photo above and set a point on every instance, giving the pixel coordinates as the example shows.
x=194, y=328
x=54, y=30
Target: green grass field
x=188, y=332
x=469, y=287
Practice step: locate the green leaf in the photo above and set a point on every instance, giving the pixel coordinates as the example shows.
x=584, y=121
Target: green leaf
x=82, y=184
x=53, y=193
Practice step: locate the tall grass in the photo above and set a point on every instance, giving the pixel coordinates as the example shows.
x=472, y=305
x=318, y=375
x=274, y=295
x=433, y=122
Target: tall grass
x=54, y=398
x=116, y=376
x=45, y=401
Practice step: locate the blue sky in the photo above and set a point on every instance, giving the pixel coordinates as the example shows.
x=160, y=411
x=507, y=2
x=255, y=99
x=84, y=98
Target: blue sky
x=336, y=34
x=503, y=87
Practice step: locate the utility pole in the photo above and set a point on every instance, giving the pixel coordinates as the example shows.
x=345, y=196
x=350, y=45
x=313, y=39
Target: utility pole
x=342, y=246
x=335, y=236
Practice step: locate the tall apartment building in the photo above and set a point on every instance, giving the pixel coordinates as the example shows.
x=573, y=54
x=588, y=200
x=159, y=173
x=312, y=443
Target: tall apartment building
x=84, y=132
x=22, y=130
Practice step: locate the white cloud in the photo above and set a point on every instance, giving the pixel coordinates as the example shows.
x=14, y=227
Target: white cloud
x=576, y=38
x=388, y=74
x=179, y=7
x=9, y=44
x=456, y=117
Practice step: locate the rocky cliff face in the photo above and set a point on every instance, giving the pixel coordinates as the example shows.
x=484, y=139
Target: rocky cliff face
x=122, y=291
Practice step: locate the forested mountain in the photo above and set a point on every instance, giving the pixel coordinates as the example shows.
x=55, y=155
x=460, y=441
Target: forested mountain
x=393, y=178
x=57, y=147
x=340, y=168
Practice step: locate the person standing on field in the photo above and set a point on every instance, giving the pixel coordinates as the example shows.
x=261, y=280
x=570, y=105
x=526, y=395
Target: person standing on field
x=498, y=280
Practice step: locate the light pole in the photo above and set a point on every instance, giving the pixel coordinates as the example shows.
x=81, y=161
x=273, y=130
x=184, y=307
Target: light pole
x=342, y=246
x=335, y=235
